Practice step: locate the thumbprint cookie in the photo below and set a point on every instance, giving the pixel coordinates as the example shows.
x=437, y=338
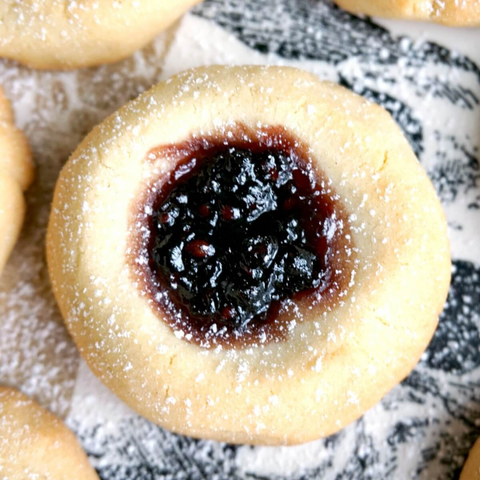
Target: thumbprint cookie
x=447, y=12
x=56, y=34
x=34, y=444
x=471, y=469
x=16, y=174
x=248, y=254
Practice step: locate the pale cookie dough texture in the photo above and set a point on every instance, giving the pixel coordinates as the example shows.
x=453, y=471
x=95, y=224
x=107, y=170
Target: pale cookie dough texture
x=60, y=34
x=471, y=469
x=447, y=12
x=335, y=362
x=16, y=174
x=34, y=444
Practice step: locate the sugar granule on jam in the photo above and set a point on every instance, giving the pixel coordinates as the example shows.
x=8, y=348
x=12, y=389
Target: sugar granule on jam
x=236, y=230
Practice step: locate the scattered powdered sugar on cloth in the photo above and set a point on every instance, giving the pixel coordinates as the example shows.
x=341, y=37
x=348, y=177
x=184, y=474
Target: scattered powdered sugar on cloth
x=425, y=426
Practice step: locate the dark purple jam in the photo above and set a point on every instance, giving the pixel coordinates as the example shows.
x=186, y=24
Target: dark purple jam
x=236, y=230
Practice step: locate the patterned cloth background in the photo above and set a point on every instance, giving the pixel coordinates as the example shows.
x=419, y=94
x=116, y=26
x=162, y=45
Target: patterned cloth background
x=428, y=78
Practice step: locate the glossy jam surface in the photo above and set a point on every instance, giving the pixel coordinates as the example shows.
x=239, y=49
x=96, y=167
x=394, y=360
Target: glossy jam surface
x=236, y=229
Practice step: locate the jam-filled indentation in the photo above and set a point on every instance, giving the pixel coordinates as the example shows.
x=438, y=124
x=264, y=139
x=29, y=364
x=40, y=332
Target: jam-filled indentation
x=240, y=226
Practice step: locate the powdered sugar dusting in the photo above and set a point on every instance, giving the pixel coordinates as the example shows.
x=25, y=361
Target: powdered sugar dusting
x=55, y=110
x=417, y=416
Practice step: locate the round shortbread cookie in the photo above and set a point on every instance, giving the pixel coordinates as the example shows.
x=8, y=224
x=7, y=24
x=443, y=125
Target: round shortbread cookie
x=16, y=174
x=334, y=354
x=12, y=212
x=34, y=444
x=54, y=34
x=471, y=469
x=447, y=12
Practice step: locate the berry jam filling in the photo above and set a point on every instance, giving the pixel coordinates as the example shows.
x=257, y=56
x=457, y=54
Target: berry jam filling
x=237, y=230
